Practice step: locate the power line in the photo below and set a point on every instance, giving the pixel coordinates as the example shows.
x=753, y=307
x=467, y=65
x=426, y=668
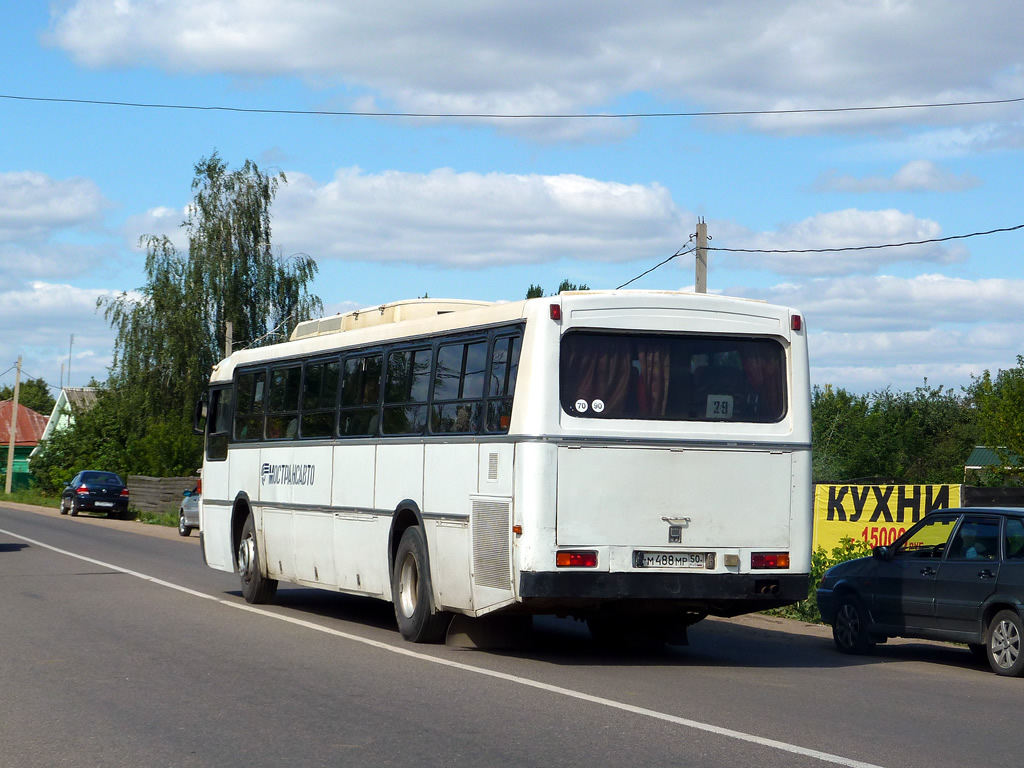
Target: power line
x=675, y=255
x=825, y=250
x=867, y=247
x=512, y=116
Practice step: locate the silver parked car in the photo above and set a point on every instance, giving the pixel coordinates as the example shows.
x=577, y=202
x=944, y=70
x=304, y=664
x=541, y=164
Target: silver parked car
x=188, y=512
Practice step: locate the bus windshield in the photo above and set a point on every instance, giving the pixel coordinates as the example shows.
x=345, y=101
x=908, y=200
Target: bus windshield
x=672, y=377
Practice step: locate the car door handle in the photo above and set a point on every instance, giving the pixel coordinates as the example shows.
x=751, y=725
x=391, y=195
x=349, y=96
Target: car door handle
x=986, y=574
x=927, y=571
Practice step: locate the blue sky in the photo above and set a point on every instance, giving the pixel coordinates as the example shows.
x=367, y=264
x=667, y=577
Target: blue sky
x=395, y=207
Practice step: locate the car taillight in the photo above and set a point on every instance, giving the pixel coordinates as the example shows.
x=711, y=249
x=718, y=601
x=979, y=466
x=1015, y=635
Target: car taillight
x=199, y=487
x=769, y=560
x=83, y=489
x=124, y=491
x=570, y=559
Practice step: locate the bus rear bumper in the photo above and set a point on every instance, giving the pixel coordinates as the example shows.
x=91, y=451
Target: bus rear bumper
x=724, y=594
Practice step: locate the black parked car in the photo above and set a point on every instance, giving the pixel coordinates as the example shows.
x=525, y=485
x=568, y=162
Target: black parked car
x=94, y=491
x=957, y=575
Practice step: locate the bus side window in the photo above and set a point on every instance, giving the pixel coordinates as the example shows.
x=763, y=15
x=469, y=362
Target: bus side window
x=218, y=424
x=283, y=408
x=249, y=405
x=319, y=396
x=360, y=396
x=406, y=387
x=502, y=382
x=458, y=388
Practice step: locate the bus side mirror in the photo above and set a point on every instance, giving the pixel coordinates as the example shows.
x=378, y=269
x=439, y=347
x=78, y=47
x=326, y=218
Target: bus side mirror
x=200, y=415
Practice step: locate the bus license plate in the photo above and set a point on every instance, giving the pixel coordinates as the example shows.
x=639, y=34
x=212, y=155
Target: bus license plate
x=668, y=559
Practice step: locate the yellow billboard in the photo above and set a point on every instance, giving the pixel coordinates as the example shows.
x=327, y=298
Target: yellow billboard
x=877, y=514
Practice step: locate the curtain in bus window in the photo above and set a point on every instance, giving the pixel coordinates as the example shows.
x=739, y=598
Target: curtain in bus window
x=763, y=364
x=672, y=377
x=596, y=374
x=653, y=364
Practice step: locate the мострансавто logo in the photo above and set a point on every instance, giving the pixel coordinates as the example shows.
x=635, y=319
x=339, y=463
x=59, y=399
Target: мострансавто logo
x=287, y=474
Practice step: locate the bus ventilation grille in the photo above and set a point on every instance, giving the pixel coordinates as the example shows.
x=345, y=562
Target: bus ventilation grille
x=491, y=544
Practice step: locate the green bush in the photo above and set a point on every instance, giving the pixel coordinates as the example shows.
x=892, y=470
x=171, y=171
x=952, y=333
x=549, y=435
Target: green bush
x=821, y=561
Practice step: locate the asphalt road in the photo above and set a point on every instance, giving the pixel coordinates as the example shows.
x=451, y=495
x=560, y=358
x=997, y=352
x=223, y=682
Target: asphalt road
x=118, y=647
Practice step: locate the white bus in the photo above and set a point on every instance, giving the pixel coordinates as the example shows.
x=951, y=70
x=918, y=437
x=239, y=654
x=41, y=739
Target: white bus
x=634, y=459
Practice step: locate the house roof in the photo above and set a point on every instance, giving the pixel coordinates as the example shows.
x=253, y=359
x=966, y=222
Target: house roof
x=81, y=399
x=29, y=428
x=74, y=401
x=982, y=456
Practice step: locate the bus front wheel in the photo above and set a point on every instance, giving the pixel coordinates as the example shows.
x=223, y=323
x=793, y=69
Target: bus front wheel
x=412, y=594
x=256, y=588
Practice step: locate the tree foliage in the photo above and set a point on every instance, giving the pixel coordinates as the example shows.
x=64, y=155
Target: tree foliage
x=923, y=436
x=1000, y=401
x=32, y=393
x=536, y=292
x=171, y=331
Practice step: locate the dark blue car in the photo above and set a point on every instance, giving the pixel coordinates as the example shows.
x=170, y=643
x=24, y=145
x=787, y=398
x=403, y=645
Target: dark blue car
x=95, y=491
x=958, y=575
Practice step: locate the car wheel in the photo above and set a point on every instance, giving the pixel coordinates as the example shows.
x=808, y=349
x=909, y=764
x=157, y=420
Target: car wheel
x=1004, y=644
x=63, y=509
x=74, y=508
x=412, y=593
x=256, y=588
x=850, y=626
x=183, y=530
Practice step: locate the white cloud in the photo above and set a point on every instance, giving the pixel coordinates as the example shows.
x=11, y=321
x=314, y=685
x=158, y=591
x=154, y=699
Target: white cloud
x=444, y=218
x=459, y=56
x=886, y=303
x=156, y=222
x=46, y=315
x=33, y=205
x=915, y=176
x=871, y=332
x=850, y=228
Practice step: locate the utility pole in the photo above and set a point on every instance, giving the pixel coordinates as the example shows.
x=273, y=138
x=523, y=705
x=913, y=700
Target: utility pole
x=228, y=330
x=70, y=345
x=701, y=281
x=14, y=429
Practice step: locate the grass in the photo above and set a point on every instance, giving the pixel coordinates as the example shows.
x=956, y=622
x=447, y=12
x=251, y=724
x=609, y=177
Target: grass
x=32, y=496
x=37, y=498
x=169, y=519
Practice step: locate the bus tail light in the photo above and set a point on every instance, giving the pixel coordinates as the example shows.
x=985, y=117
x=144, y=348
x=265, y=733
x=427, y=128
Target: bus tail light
x=796, y=322
x=576, y=559
x=556, y=311
x=769, y=560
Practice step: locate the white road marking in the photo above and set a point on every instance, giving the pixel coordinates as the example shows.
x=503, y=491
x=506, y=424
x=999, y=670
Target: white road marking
x=783, y=746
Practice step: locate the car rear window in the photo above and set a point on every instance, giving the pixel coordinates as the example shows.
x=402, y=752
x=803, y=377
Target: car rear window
x=100, y=477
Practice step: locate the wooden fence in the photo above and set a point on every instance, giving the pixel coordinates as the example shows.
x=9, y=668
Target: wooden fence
x=159, y=494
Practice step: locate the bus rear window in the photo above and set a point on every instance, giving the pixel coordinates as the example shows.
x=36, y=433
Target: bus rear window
x=672, y=377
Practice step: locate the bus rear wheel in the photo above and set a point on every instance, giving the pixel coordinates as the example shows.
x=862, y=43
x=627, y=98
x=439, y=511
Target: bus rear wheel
x=256, y=588
x=412, y=594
